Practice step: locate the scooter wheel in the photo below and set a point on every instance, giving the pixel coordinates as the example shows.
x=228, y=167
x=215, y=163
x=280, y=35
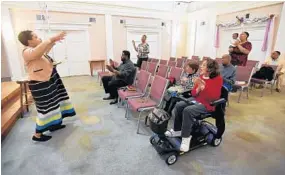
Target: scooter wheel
x=152, y=140
x=171, y=158
x=216, y=141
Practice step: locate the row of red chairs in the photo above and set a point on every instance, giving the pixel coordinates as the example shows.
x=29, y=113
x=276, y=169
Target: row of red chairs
x=142, y=99
x=162, y=70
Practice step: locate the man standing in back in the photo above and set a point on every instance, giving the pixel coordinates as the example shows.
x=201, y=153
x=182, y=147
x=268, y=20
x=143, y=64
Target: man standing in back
x=122, y=76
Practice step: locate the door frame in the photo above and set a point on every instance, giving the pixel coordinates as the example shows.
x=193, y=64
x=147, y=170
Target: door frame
x=143, y=30
x=61, y=26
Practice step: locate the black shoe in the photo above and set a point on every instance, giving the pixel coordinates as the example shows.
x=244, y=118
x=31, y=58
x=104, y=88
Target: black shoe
x=108, y=98
x=278, y=90
x=57, y=127
x=114, y=102
x=43, y=138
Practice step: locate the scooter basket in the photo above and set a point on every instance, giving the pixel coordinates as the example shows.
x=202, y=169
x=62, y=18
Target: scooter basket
x=159, y=129
x=158, y=120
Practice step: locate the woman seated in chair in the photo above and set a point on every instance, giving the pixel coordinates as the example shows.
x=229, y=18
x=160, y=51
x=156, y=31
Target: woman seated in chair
x=207, y=89
x=186, y=85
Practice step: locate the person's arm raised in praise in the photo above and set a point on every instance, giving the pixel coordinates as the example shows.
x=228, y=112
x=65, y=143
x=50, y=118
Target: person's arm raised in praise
x=42, y=48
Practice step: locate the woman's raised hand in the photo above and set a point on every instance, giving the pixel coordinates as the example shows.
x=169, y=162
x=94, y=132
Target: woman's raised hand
x=58, y=37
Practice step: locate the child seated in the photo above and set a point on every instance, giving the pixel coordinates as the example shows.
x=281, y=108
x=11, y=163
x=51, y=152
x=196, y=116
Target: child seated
x=183, y=87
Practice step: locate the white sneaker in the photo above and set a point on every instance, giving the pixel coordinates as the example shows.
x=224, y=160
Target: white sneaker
x=185, y=144
x=172, y=133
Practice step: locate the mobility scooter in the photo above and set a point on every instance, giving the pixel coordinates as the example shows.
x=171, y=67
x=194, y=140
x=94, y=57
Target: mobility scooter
x=203, y=132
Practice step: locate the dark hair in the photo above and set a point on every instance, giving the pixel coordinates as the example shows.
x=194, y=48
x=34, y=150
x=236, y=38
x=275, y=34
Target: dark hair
x=127, y=53
x=247, y=34
x=24, y=36
x=235, y=34
x=278, y=52
x=145, y=36
x=194, y=65
x=213, y=67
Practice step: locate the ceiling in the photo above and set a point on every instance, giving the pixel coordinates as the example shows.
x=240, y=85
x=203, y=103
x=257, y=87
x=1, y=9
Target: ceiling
x=165, y=6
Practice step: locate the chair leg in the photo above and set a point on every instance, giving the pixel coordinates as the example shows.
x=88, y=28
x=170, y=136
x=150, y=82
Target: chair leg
x=127, y=110
x=240, y=94
x=247, y=92
x=139, y=120
x=262, y=91
x=272, y=85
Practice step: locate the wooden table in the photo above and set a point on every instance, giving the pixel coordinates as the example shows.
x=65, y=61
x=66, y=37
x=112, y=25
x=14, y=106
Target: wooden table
x=93, y=63
x=24, y=93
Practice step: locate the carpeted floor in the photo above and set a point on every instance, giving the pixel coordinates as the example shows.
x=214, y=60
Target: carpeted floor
x=99, y=140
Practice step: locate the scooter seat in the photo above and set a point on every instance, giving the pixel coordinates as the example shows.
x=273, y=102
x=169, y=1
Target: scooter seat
x=204, y=116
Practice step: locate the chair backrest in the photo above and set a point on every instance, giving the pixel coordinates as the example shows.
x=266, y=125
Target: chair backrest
x=135, y=77
x=144, y=65
x=143, y=79
x=162, y=70
x=179, y=62
x=152, y=68
x=204, y=58
x=187, y=61
x=154, y=60
x=158, y=88
x=195, y=58
x=176, y=72
x=252, y=63
x=219, y=60
x=171, y=63
x=172, y=59
x=163, y=62
x=244, y=73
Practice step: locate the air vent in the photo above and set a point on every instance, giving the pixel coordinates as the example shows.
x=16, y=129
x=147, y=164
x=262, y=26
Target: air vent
x=247, y=16
x=93, y=20
x=202, y=23
x=122, y=21
x=162, y=24
x=40, y=17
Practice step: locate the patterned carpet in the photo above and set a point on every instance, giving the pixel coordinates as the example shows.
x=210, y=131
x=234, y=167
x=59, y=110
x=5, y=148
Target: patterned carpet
x=99, y=140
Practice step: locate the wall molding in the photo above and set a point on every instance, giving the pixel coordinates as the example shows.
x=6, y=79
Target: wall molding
x=61, y=26
x=248, y=26
x=92, y=8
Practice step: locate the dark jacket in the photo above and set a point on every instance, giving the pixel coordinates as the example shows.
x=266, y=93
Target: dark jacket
x=127, y=71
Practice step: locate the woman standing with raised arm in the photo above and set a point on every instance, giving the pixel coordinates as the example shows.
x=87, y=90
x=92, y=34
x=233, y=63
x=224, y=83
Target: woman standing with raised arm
x=143, y=51
x=50, y=96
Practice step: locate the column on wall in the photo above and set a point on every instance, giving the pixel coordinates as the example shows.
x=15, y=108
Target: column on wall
x=10, y=45
x=175, y=36
x=109, y=37
x=280, y=38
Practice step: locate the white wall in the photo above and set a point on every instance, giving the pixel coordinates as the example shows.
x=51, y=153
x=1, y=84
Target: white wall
x=205, y=35
x=5, y=70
